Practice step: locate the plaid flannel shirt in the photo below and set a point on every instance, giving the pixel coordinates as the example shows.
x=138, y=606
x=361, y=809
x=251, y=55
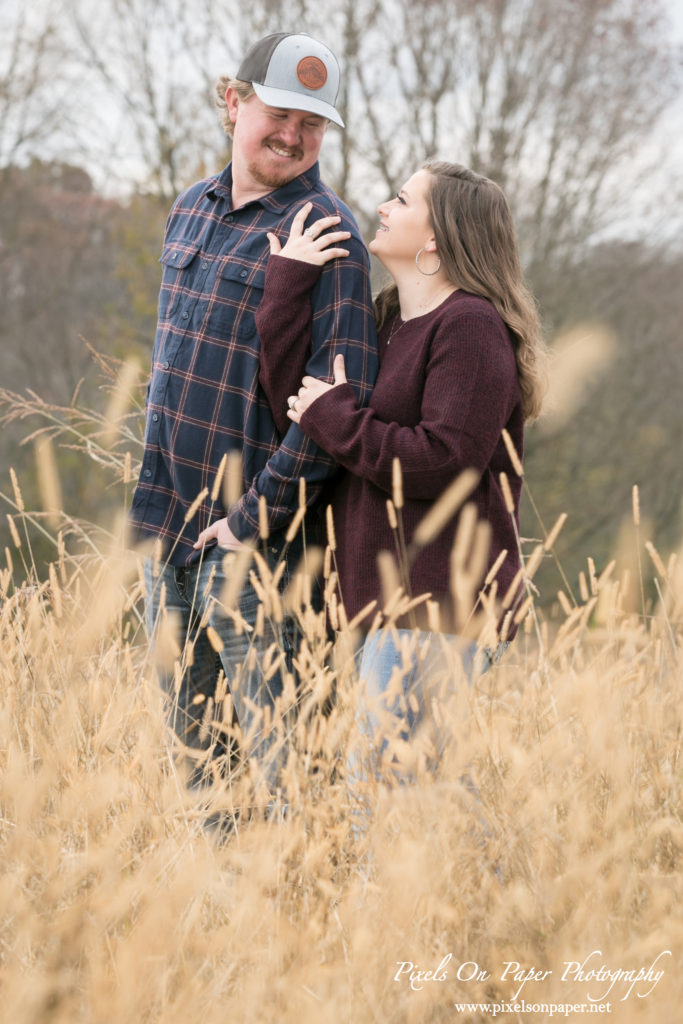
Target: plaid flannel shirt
x=204, y=397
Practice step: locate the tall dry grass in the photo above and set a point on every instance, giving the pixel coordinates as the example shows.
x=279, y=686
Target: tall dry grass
x=552, y=829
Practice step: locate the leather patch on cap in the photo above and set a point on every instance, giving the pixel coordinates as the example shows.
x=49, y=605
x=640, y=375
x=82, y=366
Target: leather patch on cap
x=311, y=72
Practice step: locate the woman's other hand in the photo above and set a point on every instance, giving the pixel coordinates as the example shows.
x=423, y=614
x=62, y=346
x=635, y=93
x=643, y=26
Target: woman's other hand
x=310, y=245
x=312, y=388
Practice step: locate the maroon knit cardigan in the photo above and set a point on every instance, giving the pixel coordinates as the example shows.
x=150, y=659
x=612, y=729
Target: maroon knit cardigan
x=446, y=388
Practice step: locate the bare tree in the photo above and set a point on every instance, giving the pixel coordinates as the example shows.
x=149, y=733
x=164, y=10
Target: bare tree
x=153, y=65
x=152, y=122
x=35, y=89
x=551, y=98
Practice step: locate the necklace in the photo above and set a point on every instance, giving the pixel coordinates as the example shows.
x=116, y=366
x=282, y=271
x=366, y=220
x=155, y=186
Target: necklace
x=394, y=329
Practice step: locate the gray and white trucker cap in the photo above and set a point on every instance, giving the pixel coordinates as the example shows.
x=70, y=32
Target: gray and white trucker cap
x=294, y=72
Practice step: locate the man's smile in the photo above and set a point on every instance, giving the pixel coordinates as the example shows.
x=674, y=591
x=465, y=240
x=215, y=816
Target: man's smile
x=284, y=151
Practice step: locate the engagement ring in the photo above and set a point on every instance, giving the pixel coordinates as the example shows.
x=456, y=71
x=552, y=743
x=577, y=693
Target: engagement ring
x=309, y=232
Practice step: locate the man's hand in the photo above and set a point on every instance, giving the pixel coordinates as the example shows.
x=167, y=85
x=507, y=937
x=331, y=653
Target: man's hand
x=222, y=534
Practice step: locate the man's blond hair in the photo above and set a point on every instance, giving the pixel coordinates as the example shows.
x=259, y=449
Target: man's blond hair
x=244, y=90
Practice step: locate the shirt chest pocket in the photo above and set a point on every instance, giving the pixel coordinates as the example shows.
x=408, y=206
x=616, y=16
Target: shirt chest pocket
x=180, y=264
x=237, y=293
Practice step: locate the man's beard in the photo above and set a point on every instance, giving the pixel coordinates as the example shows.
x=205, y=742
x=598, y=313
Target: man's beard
x=270, y=180
x=274, y=178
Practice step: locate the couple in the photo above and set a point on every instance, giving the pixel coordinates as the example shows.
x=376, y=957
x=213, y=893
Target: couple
x=456, y=339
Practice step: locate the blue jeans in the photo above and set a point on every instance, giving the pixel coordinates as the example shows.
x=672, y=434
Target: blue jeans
x=408, y=676
x=223, y=705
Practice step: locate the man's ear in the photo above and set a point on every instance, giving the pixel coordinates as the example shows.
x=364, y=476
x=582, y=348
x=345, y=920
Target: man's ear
x=232, y=101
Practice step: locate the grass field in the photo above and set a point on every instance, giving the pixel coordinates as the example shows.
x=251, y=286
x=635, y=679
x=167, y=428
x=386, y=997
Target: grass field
x=550, y=838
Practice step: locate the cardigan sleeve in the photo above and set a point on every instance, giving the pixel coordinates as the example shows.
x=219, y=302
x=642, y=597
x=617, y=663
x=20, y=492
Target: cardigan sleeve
x=343, y=320
x=470, y=391
x=284, y=321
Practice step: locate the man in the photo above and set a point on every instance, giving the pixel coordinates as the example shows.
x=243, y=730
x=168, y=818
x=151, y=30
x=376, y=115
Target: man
x=204, y=399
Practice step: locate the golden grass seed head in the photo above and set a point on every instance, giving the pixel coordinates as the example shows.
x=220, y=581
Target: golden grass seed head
x=362, y=615
x=656, y=559
x=397, y=483
x=205, y=724
x=263, y=525
x=332, y=608
x=390, y=578
x=635, y=501
x=434, y=616
x=534, y=561
x=16, y=539
x=264, y=572
x=479, y=555
x=493, y=571
x=512, y=452
x=18, y=497
x=119, y=400
x=48, y=478
x=445, y=507
x=505, y=626
x=196, y=504
x=295, y=524
x=523, y=613
x=218, y=481
x=513, y=589
x=555, y=531
x=235, y=569
x=464, y=536
x=55, y=591
x=233, y=481
x=331, y=537
x=507, y=493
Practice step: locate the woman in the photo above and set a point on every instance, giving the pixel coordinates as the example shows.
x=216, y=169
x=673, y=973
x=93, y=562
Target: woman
x=461, y=360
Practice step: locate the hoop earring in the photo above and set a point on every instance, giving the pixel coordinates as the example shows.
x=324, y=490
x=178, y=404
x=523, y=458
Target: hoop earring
x=427, y=273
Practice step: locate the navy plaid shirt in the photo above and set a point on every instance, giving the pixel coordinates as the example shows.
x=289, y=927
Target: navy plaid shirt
x=204, y=397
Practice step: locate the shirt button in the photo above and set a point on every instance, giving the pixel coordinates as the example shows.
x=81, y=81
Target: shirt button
x=185, y=315
x=229, y=218
x=166, y=365
x=243, y=273
x=155, y=417
x=204, y=265
x=148, y=472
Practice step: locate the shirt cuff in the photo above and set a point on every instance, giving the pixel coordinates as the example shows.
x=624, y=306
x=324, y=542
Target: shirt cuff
x=240, y=524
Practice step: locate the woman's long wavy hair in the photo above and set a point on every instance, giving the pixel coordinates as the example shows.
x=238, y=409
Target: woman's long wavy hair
x=476, y=240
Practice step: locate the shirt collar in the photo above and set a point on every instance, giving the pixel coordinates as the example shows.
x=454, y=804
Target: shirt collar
x=278, y=200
